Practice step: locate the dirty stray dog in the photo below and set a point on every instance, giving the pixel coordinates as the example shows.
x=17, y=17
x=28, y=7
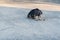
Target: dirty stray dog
x=35, y=14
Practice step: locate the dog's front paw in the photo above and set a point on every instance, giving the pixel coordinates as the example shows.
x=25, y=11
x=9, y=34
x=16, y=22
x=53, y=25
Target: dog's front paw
x=41, y=19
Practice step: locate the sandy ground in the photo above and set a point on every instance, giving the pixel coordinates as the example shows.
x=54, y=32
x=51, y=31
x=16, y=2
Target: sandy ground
x=50, y=7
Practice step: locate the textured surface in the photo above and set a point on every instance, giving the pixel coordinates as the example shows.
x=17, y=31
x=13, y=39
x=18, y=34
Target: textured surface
x=15, y=26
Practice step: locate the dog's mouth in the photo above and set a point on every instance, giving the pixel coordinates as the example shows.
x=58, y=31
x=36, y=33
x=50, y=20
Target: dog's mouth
x=41, y=17
x=37, y=17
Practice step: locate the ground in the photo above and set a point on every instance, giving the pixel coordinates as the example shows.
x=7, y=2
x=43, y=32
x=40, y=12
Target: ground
x=15, y=26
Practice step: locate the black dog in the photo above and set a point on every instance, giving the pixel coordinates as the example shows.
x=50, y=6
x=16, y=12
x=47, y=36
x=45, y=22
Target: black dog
x=35, y=14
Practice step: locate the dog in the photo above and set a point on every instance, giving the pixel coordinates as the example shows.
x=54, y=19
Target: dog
x=35, y=14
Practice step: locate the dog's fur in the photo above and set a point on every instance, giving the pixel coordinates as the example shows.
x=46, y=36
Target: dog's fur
x=35, y=13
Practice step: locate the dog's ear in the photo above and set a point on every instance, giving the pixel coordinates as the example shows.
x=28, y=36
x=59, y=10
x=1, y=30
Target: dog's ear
x=36, y=8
